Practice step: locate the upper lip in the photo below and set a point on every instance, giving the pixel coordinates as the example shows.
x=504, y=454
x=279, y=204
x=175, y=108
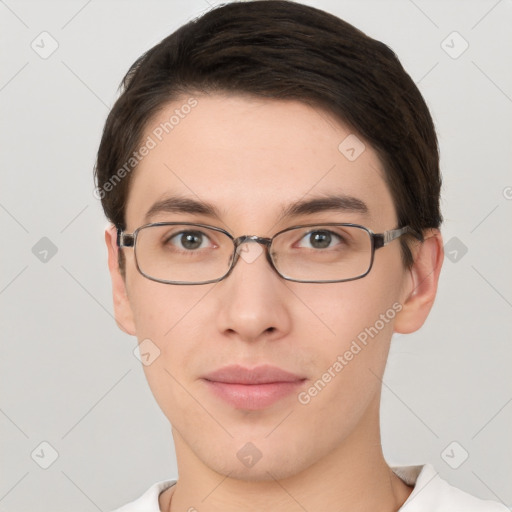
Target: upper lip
x=264, y=374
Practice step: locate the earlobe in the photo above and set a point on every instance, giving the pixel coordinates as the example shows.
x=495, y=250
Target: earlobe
x=122, y=308
x=421, y=286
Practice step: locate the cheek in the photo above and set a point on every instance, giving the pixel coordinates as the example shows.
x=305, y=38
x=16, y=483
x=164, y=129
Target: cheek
x=351, y=357
x=353, y=325
x=341, y=311
x=161, y=310
x=169, y=328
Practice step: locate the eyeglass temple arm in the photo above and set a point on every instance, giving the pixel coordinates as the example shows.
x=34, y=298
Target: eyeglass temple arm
x=124, y=239
x=382, y=239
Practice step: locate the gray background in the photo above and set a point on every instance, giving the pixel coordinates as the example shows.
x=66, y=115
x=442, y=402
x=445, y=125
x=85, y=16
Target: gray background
x=69, y=376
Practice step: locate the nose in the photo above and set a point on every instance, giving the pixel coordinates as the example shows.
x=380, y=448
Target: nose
x=252, y=300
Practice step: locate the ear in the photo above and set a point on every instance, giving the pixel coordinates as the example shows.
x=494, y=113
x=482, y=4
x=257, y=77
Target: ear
x=420, y=287
x=122, y=308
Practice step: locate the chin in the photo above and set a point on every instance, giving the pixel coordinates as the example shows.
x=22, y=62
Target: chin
x=272, y=463
x=258, y=473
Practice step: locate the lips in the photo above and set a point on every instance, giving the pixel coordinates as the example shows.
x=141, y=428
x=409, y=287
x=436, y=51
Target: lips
x=260, y=375
x=252, y=388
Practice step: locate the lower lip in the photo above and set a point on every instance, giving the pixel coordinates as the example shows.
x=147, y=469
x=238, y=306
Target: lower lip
x=253, y=396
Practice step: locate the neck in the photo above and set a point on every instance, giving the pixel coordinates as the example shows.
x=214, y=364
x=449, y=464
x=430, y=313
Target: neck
x=353, y=477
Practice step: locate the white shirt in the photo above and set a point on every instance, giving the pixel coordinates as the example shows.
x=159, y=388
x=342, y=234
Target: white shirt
x=430, y=494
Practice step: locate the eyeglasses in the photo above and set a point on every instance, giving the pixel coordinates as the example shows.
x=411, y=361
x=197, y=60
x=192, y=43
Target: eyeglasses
x=189, y=253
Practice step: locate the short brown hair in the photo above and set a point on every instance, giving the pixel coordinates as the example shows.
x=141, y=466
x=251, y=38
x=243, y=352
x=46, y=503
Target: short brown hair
x=284, y=50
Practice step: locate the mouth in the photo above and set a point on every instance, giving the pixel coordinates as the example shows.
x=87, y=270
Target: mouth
x=252, y=389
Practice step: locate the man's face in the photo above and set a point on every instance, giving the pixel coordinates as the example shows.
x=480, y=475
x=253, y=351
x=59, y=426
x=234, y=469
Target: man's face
x=251, y=158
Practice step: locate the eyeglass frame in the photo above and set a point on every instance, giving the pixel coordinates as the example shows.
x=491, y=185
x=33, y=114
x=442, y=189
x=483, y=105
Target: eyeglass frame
x=378, y=240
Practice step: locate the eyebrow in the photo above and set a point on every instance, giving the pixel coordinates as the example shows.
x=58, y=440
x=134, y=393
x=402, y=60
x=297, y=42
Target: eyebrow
x=186, y=205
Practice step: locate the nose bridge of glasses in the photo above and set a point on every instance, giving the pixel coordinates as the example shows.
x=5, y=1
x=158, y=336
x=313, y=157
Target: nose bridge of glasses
x=251, y=238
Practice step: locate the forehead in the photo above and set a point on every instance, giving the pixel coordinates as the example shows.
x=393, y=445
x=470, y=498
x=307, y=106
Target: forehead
x=251, y=158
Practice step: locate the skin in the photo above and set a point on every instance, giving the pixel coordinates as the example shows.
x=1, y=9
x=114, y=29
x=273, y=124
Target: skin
x=250, y=157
